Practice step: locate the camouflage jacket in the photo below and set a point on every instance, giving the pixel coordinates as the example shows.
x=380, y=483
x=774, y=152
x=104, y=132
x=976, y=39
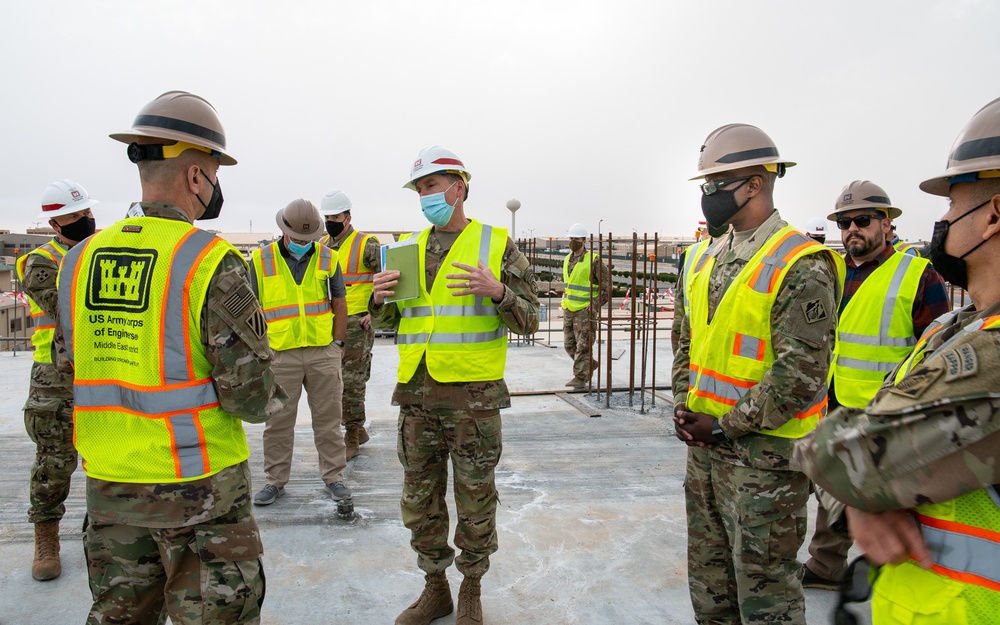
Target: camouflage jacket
x=599, y=274
x=803, y=349
x=518, y=310
x=932, y=438
x=39, y=284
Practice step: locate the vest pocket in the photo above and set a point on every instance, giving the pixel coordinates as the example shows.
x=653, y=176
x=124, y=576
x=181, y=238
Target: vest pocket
x=908, y=594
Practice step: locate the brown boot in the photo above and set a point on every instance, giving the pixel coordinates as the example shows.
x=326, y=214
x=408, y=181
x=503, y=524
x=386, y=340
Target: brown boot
x=362, y=435
x=576, y=383
x=46, y=565
x=351, y=440
x=434, y=602
x=470, y=609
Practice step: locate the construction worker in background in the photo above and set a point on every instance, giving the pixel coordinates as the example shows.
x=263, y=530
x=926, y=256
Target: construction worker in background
x=889, y=300
x=170, y=352
x=901, y=245
x=919, y=464
x=300, y=286
x=360, y=258
x=749, y=378
x=588, y=288
x=816, y=229
x=453, y=348
x=48, y=413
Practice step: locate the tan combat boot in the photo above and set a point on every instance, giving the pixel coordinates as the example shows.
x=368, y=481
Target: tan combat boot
x=362, y=435
x=434, y=602
x=46, y=565
x=470, y=609
x=351, y=440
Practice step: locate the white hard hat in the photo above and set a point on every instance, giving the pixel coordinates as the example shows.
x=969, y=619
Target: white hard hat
x=736, y=146
x=436, y=160
x=578, y=231
x=816, y=227
x=334, y=203
x=64, y=197
x=975, y=153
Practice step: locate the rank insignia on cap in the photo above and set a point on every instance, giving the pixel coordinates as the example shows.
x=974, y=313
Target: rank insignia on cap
x=814, y=311
x=257, y=324
x=917, y=382
x=962, y=363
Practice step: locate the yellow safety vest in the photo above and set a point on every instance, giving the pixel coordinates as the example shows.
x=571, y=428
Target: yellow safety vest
x=298, y=315
x=579, y=290
x=462, y=338
x=906, y=248
x=963, y=536
x=357, y=275
x=130, y=303
x=731, y=355
x=694, y=259
x=45, y=326
x=869, y=345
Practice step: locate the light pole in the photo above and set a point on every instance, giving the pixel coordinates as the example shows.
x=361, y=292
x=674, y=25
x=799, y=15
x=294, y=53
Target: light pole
x=512, y=206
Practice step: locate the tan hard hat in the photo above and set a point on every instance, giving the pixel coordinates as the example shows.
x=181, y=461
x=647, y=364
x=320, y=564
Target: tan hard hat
x=863, y=194
x=301, y=220
x=736, y=146
x=976, y=150
x=179, y=116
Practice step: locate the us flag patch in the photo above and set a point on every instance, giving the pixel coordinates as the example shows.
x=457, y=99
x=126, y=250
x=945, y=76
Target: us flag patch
x=238, y=301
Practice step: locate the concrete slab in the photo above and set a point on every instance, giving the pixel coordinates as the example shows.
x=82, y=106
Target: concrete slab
x=591, y=522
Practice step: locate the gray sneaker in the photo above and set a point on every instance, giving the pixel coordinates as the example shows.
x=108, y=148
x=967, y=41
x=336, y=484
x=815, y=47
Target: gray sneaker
x=267, y=495
x=339, y=491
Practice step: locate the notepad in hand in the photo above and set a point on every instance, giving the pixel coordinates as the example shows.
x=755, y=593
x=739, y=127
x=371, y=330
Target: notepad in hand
x=404, y=257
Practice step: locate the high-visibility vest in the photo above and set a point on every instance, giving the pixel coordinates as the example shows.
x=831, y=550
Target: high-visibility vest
x=963, y=536
x=130, y=302
x=875, y=331
x=907, y=248
x=44, y=325
x=579, y=290
x=694, y=258
x=731, y=355
x=357, y=275
x=462, y=338
x=298, y=315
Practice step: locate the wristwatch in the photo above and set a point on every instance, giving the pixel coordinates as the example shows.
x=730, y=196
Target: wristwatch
x=339, y=343
x=717, y=433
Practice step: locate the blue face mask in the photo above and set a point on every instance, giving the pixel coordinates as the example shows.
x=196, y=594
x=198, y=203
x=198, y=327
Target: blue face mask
x=298, y=250
x=436, y=209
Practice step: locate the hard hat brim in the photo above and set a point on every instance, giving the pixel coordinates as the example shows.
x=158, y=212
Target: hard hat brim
x=316, y=236
x=67, y=210
x=135, y=134
x=718, y=169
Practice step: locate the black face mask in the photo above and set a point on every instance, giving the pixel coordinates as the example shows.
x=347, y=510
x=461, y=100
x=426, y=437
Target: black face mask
x=719, y=207
x=79, y=229
x=717, y=231
x=214, y=206
x=952, y=268
x=335, y=228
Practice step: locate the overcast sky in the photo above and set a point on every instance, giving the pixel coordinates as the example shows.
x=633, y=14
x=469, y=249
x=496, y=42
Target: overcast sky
x=583, y=110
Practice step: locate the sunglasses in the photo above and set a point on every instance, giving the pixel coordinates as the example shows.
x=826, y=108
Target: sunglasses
x=855, y=587
x=861, y=221
x=708, y=188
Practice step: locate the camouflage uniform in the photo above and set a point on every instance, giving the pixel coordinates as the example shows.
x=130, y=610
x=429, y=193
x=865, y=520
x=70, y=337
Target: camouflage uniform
x=357, y=363
x=746, y=505
x=460, y=420
x=189, y=549
x=48, y=413
x=579, y=326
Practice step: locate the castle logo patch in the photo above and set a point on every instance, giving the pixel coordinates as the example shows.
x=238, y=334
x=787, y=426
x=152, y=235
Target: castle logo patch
x=814, y=311
x=917, y=382
x=120, y=280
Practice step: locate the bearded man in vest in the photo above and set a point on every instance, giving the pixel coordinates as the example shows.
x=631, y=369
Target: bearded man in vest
x=169, y=349
x=475, y=286
x=889, y=300
x=301, y=289
x=588, y=287
x=749, y=378
x=360, y=258
x=918, y=466
x=48, y=413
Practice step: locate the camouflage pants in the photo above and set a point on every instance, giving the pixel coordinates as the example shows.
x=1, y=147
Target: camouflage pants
x=357, y=369
x=827, y=551
x=473, y=441
x=578, y=341
x=206, y=574
x=50, y=425
x=745, y=527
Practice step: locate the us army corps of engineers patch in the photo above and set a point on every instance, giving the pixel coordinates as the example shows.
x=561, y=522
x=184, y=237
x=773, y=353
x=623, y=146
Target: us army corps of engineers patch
x=814, y=311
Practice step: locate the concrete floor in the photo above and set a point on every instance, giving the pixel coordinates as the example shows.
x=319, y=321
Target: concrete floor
x=591, y=522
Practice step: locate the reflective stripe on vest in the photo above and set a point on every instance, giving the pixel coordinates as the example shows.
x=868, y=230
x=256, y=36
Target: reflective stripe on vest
x=298, y=315
x=580, y=291
x=966, y=553
x=730, y=358
x=357, y=276
x=45, y=326
x=463, y=341
x=158, y=421
x=906, y=248
x=870, y=346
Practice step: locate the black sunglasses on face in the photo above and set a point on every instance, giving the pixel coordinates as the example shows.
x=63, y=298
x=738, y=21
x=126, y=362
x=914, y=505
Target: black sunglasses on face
x=855, y=587
x=860, y=221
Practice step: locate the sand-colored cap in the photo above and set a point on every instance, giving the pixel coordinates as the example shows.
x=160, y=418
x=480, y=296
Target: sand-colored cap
x=863, y=194
x=975, y=154
x=735, y=146
x=301, y=220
